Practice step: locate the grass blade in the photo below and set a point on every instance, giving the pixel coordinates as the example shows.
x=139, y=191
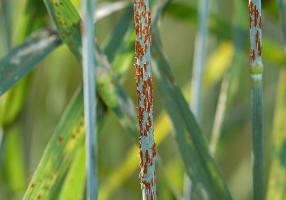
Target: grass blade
x=219, y=115
x=255, y=69
x=108, y=86
x=200, y=165
x=277, y=181
x=7, y=16
x=23, y=58
x=53, y=153
x=115, y=40
x=88, y=63
x=73, y=187
x=58, y=154
x=197, y=76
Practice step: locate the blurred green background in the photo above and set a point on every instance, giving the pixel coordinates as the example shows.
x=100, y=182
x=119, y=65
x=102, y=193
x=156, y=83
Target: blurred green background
x=53, y=82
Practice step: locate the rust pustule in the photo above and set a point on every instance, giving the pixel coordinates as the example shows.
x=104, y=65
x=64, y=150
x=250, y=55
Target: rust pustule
x=250, y=8
x=141, y=158
x=145, y=169
x=147, y=157
x=256, y=13
x=260, y=22
x=259, y=48
x=60, y=139
x=154, y=150
x=257, y=38
x=252, y=55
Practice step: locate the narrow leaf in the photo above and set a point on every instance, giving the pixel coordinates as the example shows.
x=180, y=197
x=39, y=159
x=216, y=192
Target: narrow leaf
x=200, y=165
x=22, y=59
x=66, y=17
x=277, y=180
x=52, y=153
x=73, y=187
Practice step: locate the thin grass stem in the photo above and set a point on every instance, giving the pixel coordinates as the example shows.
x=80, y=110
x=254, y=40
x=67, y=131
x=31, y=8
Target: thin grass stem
x=220, y=113
x=256, y=69
x=88, y=61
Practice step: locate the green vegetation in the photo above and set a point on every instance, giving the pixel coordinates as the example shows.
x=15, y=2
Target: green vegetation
x=73, y=127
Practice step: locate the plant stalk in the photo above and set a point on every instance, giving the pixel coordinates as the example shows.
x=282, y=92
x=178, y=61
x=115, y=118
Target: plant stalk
x=256, y=69
x=88, y=61
x=144, y=84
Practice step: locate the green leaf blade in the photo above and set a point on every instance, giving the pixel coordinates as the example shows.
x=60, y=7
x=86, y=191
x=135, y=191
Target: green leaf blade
x=22, y=59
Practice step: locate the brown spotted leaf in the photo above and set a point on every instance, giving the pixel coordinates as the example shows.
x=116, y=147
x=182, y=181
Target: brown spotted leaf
x=23, y=58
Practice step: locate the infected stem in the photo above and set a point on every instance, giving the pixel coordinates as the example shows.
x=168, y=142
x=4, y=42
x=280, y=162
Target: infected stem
x=256, y=70
x=144, y=84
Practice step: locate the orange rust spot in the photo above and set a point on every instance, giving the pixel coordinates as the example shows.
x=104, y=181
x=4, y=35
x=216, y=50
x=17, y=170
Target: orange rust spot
x=147, y=186
x=71, y=43
x=69, y=33
x=153, y=148
x=260, y=22
x=145, y=103
x=259, y=48
x=73, y=25
x=147, y=157
x=256, y=14
x=73, y=136
x=58, y=13
x=82, y=30
x=252, y=55
x=39, y=197
x=145, y=169
x=141, y=158
x=77, y=130
x=60, y=139
x=250, y=8
x=56, y=4
x=32, y=185
x=172, y=78
x=257, y=37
